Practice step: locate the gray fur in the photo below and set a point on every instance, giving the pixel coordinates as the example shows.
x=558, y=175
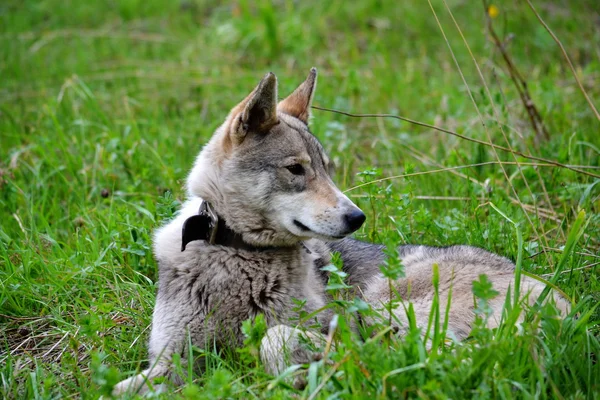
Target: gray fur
x=458, y=267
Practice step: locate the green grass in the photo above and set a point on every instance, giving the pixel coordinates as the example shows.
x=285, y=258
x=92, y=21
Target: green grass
x=103, y=106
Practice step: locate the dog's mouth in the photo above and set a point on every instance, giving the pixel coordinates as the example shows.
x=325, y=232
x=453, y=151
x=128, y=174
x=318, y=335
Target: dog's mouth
x=306, y=229
x=302, y=226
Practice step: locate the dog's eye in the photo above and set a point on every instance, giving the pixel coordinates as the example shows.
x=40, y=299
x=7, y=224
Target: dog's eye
x=296, y=169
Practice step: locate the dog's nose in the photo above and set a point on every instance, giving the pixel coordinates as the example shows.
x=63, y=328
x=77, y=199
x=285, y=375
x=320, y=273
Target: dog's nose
x=355, y=219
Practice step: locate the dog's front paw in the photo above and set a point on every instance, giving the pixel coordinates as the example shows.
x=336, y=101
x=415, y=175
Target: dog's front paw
x=139, y=384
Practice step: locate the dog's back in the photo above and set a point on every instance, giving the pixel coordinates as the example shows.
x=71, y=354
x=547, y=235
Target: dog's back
x=459, y=266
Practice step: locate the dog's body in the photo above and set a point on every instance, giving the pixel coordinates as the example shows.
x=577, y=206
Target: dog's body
x=267, y=178
x=207, y=291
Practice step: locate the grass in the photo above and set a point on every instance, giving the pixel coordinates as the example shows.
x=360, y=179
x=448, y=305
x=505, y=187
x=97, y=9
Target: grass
x=103, y=106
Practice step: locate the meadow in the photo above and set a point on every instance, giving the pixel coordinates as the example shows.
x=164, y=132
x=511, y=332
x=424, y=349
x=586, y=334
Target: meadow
x=462, y=122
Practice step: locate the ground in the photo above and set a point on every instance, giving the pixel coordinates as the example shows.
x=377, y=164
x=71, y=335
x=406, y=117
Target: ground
x=103, y=106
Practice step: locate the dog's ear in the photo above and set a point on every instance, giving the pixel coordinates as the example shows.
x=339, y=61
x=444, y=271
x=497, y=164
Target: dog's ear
x=258, y=112
x=298, y=103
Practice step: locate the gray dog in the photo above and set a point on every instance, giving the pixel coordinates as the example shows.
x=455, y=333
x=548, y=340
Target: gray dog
x=262, y=217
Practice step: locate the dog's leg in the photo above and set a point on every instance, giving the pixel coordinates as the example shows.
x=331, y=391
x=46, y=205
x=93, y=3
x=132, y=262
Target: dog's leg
x=171, y=325
x=147, y=380
x=283, y=346
x=142, y=382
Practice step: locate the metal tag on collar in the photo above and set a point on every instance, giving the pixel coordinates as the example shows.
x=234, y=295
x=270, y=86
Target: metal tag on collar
x=206, y=210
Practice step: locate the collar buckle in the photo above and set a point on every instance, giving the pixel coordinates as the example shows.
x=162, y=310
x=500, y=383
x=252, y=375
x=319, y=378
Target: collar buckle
x=213, y=225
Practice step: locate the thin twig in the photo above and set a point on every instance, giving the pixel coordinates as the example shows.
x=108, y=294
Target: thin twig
x=534, y=116
x=573, y=270
x=20, y=318
x=423, y=158
x=55, y=345
x=425, y=125
x=388, y=178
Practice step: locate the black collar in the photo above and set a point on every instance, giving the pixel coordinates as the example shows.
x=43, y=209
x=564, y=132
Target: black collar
x=207, y=226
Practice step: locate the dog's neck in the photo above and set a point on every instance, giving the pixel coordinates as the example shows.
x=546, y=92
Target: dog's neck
x=209, y=226
x=253, y=227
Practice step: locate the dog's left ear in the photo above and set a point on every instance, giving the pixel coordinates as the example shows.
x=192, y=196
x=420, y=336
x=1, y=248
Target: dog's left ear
x=298, y=103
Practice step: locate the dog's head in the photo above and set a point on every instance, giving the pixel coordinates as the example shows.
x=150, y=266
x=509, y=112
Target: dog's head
x=268, y=176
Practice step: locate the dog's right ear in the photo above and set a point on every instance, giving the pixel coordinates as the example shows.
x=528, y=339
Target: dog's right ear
x=257, y=113
x=298, y=103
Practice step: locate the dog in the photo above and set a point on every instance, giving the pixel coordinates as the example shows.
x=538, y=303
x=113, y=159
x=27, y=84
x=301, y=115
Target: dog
x=261, y=207
x=262, y=218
